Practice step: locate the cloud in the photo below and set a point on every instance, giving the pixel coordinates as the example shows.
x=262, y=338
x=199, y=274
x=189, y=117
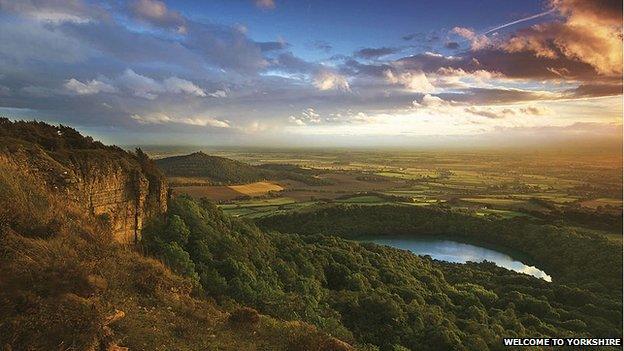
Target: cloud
x=218, y=93
x=477, y=41
x=374, y=53
x=156, y=13
x=88, y=88
x=307, y=117
x=429, y=101
x=595, y=90
x=54, y=11
x=488, y=112
x=265, y=4
x=415, y=81
x=225, y=47
x=535, y=110
x=322, y=46
x=429, y=37
x=162, y=118
x=24, y=41
x=149, y=88
x=326, y=79
x=590, y=32
x=139, y=85
x=178, y=85
x=273, y=45
x=503, y=112
x=481, y=96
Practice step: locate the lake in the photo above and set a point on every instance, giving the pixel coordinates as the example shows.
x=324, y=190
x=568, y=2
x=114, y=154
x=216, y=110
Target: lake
x=456, y=252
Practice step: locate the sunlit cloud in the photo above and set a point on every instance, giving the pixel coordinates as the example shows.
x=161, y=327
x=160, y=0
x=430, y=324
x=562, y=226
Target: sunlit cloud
x=149, y=65
x=325, y=79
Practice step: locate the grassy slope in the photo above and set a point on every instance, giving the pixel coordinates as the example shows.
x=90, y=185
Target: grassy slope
x=63, y=282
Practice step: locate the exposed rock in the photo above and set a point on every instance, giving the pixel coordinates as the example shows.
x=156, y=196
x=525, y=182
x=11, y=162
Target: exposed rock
x=113, y=188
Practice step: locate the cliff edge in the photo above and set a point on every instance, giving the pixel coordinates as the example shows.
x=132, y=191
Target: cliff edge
x=106, y=182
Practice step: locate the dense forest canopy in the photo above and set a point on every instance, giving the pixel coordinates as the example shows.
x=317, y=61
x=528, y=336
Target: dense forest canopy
x=368, y=294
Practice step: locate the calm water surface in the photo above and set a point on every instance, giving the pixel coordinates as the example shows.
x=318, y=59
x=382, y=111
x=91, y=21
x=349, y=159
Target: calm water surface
x=453, y=251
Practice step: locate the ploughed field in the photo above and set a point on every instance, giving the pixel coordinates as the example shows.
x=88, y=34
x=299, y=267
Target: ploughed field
x=228, y=192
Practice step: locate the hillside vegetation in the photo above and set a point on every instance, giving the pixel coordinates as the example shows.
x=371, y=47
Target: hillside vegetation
x=65, y=284
x=370, y=295
x=220, y=170
x=200, y=280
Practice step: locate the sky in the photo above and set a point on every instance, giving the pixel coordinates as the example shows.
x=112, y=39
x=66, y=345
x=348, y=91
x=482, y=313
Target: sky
x=317, y=73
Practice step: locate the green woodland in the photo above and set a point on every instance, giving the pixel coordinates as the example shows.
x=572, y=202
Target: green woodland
x=378, y=297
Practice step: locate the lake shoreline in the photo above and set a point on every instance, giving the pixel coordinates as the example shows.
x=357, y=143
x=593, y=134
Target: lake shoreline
x=451, y=250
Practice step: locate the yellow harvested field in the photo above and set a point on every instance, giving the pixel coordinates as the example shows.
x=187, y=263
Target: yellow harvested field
x=257, y=188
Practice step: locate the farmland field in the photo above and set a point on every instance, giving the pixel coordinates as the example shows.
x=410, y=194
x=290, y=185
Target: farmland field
x=227, y=192
x=582, y=189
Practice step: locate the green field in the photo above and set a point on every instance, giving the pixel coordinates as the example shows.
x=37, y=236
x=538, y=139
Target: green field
x=482, y=184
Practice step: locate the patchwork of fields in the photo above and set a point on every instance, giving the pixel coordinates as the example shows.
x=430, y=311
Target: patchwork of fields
x=482, y=184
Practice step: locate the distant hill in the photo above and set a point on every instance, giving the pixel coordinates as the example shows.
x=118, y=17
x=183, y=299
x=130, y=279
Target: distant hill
x=221, y=170
x=217, y=169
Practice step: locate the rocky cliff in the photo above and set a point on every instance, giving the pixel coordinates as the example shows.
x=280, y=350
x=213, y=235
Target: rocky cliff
x=108, y=183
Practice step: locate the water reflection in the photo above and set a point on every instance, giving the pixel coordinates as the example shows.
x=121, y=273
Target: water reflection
x=452, y=251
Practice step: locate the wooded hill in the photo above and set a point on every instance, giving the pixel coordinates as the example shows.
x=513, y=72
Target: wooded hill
x=221, y=170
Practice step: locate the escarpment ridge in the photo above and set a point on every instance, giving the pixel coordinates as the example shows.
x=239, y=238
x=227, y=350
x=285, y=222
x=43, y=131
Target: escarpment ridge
x=116, y=186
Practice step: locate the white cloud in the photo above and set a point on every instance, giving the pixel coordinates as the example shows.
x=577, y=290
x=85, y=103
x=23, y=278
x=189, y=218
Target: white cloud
x=414, y=81
x=149, y=88
x=431, y=101
x=88, y=88
x=307, y=117
x=139, y=85
x=177, y=85
x=161, y=118
x=218, y=93
x=325, y=79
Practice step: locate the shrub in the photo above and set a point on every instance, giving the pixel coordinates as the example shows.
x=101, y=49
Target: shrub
x=244, y=317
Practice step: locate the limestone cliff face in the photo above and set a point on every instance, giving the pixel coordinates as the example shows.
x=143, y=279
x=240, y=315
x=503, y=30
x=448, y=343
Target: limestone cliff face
x=124, y=197
x=112, y=186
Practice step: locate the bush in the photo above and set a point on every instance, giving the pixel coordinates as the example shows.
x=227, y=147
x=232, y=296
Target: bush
x=244, y=317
